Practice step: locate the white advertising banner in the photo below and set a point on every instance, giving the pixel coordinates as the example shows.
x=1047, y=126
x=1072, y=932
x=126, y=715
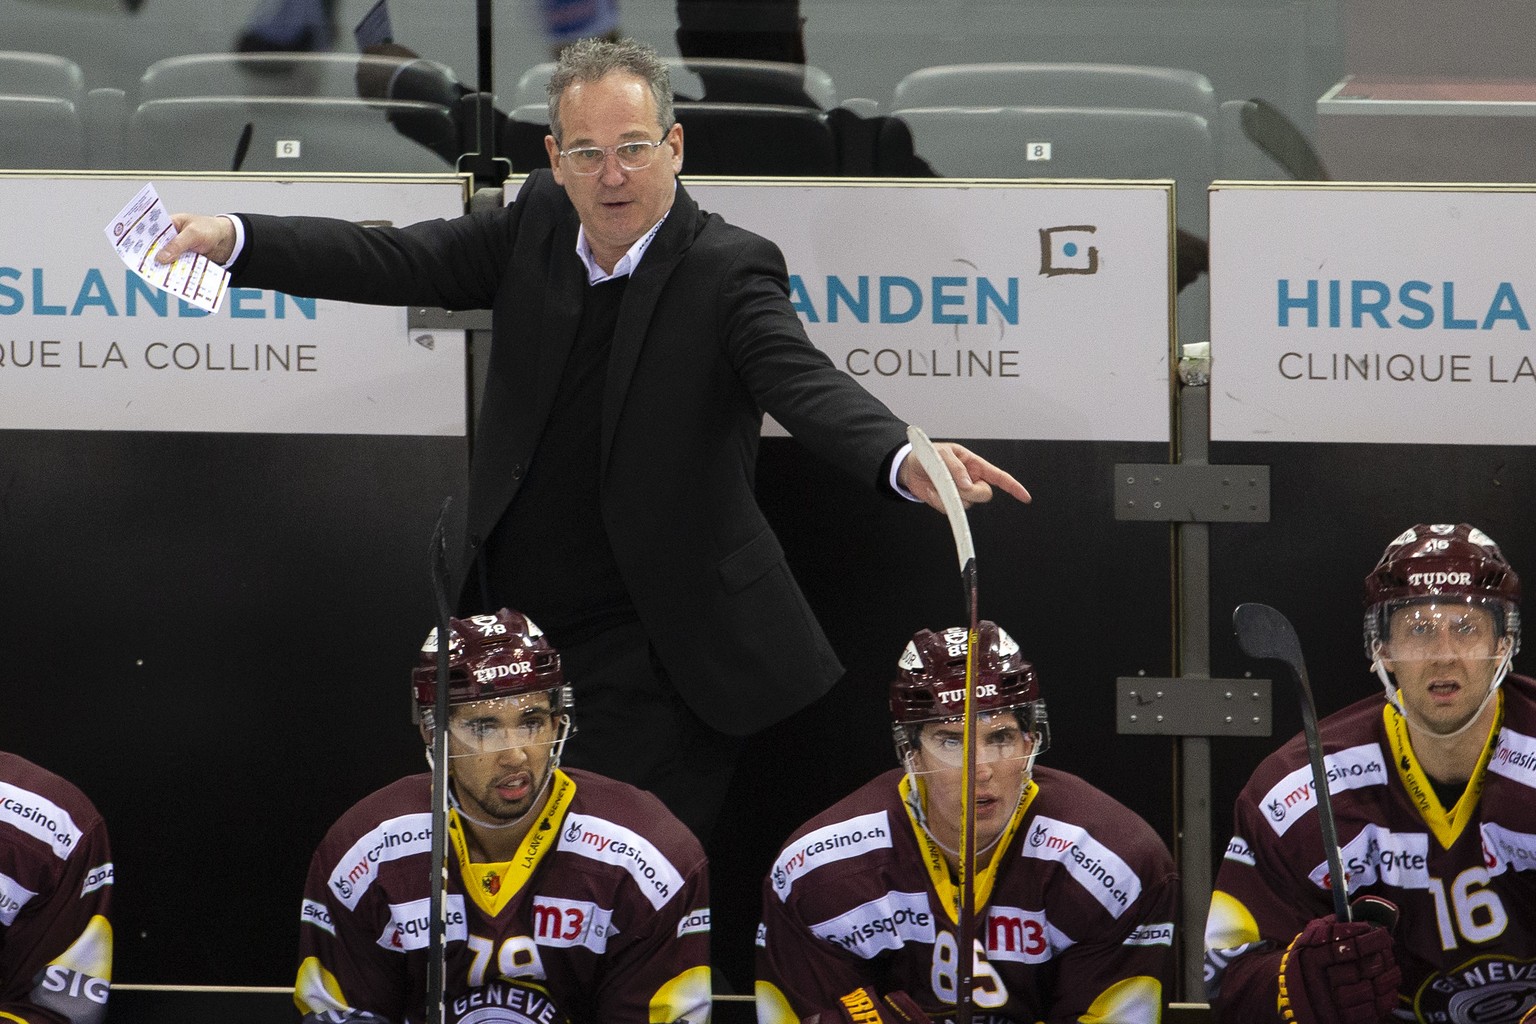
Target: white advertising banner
x=982, y=310
x=85, y=344
x=1378, y=314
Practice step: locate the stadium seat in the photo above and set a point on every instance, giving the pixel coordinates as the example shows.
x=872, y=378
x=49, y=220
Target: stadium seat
x=40, y=74
x=1258, y=143
x=42, y=112
x=1121, y=86
x=756, y=139
x=281, y=74
x=203, y=133
x=41, y=132
x=1085, y=142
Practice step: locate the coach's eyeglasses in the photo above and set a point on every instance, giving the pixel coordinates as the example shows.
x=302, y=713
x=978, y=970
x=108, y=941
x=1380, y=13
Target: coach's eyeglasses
x=632, y=156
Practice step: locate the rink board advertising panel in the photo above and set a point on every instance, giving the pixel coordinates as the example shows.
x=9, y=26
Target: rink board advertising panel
x=1374, y=314
x=982, y=309
x=86, y=345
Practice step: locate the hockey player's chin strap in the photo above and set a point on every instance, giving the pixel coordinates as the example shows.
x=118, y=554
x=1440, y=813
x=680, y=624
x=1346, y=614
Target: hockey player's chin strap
x=1395, y=694
x=914, y=799
x=539, y=798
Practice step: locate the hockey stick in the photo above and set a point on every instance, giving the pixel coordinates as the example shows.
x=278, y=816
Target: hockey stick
x=944, y=482
x=437, y=925
x=1262, y=632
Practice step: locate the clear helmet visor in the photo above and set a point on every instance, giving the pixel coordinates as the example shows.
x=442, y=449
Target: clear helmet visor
x=1011, y=736
x=1007, y=742
x=530, y=721
x=1467, y=630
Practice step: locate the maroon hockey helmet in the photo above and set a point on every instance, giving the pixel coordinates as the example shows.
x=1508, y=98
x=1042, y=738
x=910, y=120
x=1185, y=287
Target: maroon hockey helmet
x=930, y=683
x=1445, y=563
x=498, y=655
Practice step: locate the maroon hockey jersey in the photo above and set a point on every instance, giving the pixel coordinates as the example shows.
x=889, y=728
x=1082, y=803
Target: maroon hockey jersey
x=55, y=881
x=1464, y=877
x=601, y=918
x=1075, y=918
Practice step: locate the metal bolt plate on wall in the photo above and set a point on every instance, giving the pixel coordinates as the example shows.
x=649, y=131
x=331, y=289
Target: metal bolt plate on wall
x=1145, y=705
x=1162, y=493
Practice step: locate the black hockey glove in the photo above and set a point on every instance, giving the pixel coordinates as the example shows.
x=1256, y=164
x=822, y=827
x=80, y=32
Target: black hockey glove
x=1336, y=973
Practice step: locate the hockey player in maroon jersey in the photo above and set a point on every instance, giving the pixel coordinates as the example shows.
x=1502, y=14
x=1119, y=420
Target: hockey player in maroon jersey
x=571, y=897
x=1075, y=894
x=1434, y=794
x=55, y=887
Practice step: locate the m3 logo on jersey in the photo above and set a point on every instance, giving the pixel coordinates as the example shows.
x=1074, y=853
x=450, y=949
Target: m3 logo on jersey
x=1288, y=801
x=1090, y=863
x=1022, y=936
x=827, y=845
x=1514, y=757
x=567, y=923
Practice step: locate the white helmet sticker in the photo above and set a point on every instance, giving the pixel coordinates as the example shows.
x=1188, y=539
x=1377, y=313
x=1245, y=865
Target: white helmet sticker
x=1006, y=646
x=910, y=660
x=1443, y=529
x=1406, y=537
x=1480, y=538
x=429, y=645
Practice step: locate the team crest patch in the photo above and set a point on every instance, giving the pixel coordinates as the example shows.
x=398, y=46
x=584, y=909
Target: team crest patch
x=1485, y=988
x=491, y=883
x=504, y=1002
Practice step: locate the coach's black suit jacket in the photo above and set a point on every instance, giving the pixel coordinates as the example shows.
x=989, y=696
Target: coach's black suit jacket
x=706, y=342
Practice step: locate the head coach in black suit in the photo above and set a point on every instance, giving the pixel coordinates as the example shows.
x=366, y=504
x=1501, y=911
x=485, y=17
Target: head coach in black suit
x=637, y=342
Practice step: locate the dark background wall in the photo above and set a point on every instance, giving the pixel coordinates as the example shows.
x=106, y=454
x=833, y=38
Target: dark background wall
x=209, y=634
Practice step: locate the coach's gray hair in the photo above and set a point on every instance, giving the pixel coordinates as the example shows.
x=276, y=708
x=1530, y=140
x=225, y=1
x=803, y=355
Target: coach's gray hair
x=588, y=60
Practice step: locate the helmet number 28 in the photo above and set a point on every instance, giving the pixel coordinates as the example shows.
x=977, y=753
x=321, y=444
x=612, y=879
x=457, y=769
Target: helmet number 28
x=1473, y=911
x=988, y=991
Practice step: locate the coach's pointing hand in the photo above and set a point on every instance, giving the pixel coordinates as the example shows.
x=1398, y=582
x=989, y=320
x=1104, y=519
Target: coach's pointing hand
x=974, y=477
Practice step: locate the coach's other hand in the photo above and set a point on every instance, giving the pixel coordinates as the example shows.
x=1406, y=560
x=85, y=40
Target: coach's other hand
x=213, y=237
